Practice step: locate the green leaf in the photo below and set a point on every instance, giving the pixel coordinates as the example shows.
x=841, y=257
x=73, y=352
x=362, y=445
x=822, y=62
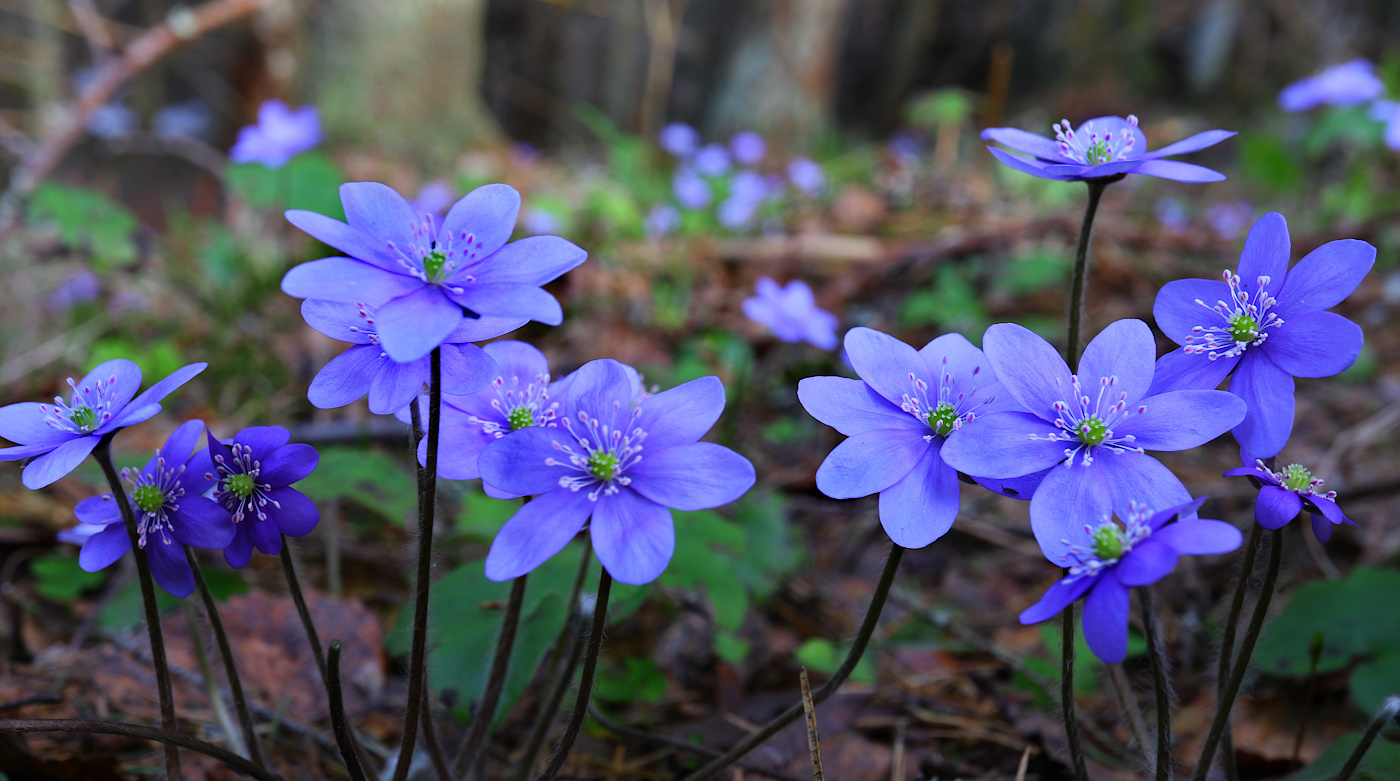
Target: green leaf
x=1265, y=160
x=951, y=304
x=1040, y=269
x=156, y=358
x=1345, y=612
x=370, y=478
x=124, y=610
x=481, y=516
x=729, y=648
x=1375, y=680
x=939, y=107
x=59, y=578
x=706, y=546
x=86, y=219
x=1381, y=763
x=309, y=181
x=823, y=656
x=633, y=681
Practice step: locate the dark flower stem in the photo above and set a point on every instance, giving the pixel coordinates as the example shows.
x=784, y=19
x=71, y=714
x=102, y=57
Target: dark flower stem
x=585, y=683
x=1227, y=644
x=793, y=713
x=235, y=685
x=427, y=503
x=1237, y=671
x=1076, y=749
x=166, y=737
x=430, y=740
x=495, y=681
x=1384, y=715
x=103, y=454
x=339, y=724
x=1081, y=271
x=1161, y=687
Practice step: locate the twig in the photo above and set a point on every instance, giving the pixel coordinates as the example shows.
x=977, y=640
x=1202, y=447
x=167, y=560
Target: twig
x=166, y=737
x=431, y=741
x=236, y=740
x=94, y=28
x=814, y=743
x=568, y=646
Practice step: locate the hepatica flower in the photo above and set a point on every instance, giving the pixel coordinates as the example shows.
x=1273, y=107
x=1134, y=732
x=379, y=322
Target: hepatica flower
x=1348, y=84
x=1100, y=148
x=167, y=497
x=424, y=278
x=748, y=147
x=1094, y=427
x=896, y=419
x=712, y=160
x=691, y=190
x=791, y=313
x=807, y=176
x=679, y=139
x=60, y=435
x=253, y=475
x=1266, y=323
x=1106, y=559
x=623, y=463
x=279, y=135
x=1288, y=491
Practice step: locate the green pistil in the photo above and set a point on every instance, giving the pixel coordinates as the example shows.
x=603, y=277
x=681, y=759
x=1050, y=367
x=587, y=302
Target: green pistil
x=149, y=498
x=433, y=265
x=1243, y=328
x=1092, y=431
x=520, y=417
x=942, y=418
x=1108, y=542
x=1296, y=477
x=1098, y=153
x=239, y=485
x=83, y=417
x=603, y=466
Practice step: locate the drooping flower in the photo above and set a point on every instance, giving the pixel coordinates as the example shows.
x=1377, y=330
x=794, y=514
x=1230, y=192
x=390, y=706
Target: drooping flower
x=1266, y=323
x=424, y=279
x=691, y=189
x=791, y=313
x=171, y=512
x=1106, y=559
x=1286, y=492
x=748, y=147
x=712, y=160
x=618, y=460
x=1348, y=84
x=1097, y=425
x=60, y=435
x=679, y=139
x=365, y=368
x=253, y=475
x=1100, y=148
x=662, y=220
x=807, y=176
x=279, y=135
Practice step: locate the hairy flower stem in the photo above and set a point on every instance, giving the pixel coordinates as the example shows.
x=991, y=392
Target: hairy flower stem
x=141, y=732
x=103, y=454
x=495, y=681
x=1384, y=715
x=1237, y=671
x=235, y=684
x=1076, y=749
x=585, y=682
x=1227, y=644
x=427, y=504
x=339, y=724
x=862, y=639
x=1081, y=271
x=430, y=740
x=1161, y=687
x=211, y=686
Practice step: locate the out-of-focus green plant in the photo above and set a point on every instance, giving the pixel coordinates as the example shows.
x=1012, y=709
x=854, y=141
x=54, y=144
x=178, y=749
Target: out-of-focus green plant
x=310, y=181
x=88, y=220
x=372, y=479
x=58, y=577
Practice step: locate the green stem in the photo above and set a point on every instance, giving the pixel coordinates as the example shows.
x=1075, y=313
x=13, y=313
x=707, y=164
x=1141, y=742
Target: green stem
x=495, y=680
x=585, y=683
x=1384, y=715
x=1071, y=719
x=1227, y=644
x=163, y=736
x=235, y=684
x=1079, y=281
x=1161, y=687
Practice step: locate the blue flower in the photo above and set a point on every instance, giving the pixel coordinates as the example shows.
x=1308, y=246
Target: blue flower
x=1285, y=493
x=691, y=189
x=60, y=435
x=791, y=313
x=662, y=220
x=434, y=198
x=748, y=147
x=1388, y=111
x=807, y=176
x=1348, y=84
x=1229, y=219
x=253, y=474
x=712, y=160
x=279, y=135
x=1101, y=148
x=679, y=139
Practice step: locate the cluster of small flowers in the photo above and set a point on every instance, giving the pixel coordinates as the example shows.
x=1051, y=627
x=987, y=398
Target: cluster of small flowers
x=1352, y=83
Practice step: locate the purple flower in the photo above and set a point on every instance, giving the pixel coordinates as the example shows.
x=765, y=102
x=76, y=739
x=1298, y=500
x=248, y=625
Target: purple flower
x=792, y=313
x=423, y=278
x=1172, y=215
x=736, y=214
x=60, y=435
x=807, y=176
x=619, y=457
x=748, y=187
x=896, y=419
x=171, y=512
x=112, y=121
x=1102, y=147
x=679, y=139
x=748, y=147
x=1388, y=111
x=712, y=160
x=77, y=535
x=1265, y=322
x=1105, y=560
x=1229, y=219
x=904, y=149
x=365, y=369
x=253, y=474
x=692, y=191
x=434, y=197
x=279, y=135
x=81, y=287
x=662, y=220
x=1285, y=493
x=1347, y=84
x=1097, y=424
x=540, y=221
x=191, y=119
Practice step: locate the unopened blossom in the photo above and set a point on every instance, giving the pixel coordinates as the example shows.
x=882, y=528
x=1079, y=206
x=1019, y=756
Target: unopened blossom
x=1095, y=427
x=424, y=277
x=253, y=475
x=679, y=139
x=365, y=368
x=1348, y=84
x=279, y=135
x=1101, y=148
x=712, y=160
x=1106, y=559
x=167, y=497
x=791, y=312
x=1267, y=324
x=58, y=436
x=691, y=189
x=1283, y=493
x=621, y=458
x=748, y=147
x=807, y=176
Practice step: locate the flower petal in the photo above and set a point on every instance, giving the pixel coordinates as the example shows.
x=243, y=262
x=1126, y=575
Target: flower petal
x=1068, y=499
x=1078, y=171
x=348, y=281
x=1321, y=527
x=1275, y=507
x=1181, y=420
x=1148, y=562
x=288, y=464
x=395, y=384
x=535, y=260
x=1179, y=370
x=518, y=359
x=346, y=377
x=124, y=377
x=485, y=215
x=851, y=406
x=633, y=536
x=21, y=452
x=884, y=362
x=516, y=462
x=297, y=514
x=869, y=462
x=1022, y=141
x=104, y=548
x=1200, y=537
x=182, y=442
x=336, y=319
x=263, y=440
x=479, y=329
x=1328, y=509
x=1177, y=310
x=169, y=567
x=153, y=395
x=466, y=368
x=1057, y=597
x=1124, y=351
x=98, y=510
x=459, y=447
x=1267, y=391
x=1002, y=445
x=266, y=537
x=411, y=326
x=1106, y=620
x=697, y=476
x=1325, y=277
x=1028, y=368
x=240, y=551
x=1178, y=171
x=1135, y=477
x=537, y=531
x=1314, y=344
x=682, y=414
x=1022, y=487
x=202, y=523
x=48, y=468
x=921, y=507
x=23, y=423
x=1267, y=249
x=1192, y=144
x=341, y=236
x=509, y=302
x=381, y=214
x=1026, y=165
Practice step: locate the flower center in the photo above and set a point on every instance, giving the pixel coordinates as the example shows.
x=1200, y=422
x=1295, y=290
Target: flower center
x=1108, y=542
x=603, y=449
x=239, y=485
x=149, y=498
x=83, y=417
x=521, y=417
x=1086, y=423
x=88, y=408
x=1297, y=478
x=1092, y=431
x=1244, y=321
x=945, y=408
x=1243, y=328
x=434, y=265
x=1093, y=148
x=603, y=465
x=943, y=418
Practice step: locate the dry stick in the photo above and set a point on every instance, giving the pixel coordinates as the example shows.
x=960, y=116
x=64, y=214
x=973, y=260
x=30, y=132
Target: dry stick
x=814, y=743
x=427, y=503
x=181, y=26
x=166, y=737
x=680, y=744
x=1251, y=636
x=431, y=741
x=339, y=725
x=862, y=639
x=495, y=681
x=235, y=685
x=1227, y=644
x=103, y=454
x=1384, y=715
x=585, y=682
x=1161, y=689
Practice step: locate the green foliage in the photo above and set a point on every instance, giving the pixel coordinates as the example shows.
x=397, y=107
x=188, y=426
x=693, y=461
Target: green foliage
x=822, y=655
x=124, y=609
x=87, y=219
x=1086, y=665
x=635, y=680
x=59, y=578
x=370, y=478
x=1381, y=763
x=1353, y=626
x=1042, y=268
x=1268, y=163
x=1343, y=126
x=481, y=516
x=951, y=304
x=309, y=181
x=939, y=107
x=156, y=357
